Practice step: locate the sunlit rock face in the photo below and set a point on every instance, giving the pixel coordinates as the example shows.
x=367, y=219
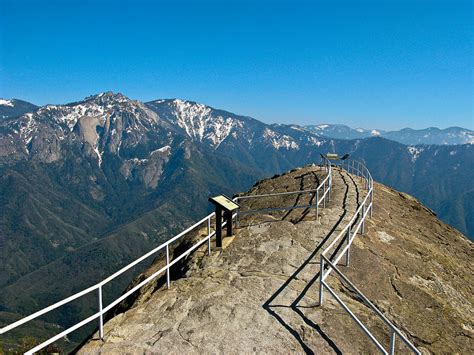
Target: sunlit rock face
x=260, y=292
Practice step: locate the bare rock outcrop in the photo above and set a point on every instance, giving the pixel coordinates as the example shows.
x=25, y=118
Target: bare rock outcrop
x=259, y=294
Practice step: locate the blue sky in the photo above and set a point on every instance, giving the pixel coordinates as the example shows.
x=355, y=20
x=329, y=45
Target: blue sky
x=373, y=64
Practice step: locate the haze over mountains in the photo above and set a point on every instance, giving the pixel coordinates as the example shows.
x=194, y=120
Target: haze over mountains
x=431, y=135
x=88, y=186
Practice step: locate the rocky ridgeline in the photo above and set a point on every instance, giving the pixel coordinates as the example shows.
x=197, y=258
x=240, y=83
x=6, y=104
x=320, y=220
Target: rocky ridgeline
x=260, y=292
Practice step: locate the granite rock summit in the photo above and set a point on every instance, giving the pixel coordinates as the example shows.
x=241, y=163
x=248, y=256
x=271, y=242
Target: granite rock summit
x=259, y=294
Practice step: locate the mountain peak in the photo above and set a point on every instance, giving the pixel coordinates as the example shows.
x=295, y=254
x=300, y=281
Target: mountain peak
x=108, y=97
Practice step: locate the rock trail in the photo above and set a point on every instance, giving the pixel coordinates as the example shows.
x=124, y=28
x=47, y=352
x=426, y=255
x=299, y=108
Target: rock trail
x=283, y=305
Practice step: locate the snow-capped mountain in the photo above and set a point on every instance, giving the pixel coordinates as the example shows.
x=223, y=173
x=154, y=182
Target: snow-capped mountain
x=104, y=124
x=408, y=136
x=127, y=142
x=114, y=125
x=199, y=122
x=108, y=125
x=14, y=108
x=111, y=126
x=214, y=127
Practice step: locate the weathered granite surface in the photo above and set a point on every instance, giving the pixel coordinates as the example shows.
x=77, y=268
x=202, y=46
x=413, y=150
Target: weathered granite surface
x=260, y=293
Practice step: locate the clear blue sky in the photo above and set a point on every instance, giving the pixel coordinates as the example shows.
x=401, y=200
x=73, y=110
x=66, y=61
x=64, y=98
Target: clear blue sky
x=373, y=64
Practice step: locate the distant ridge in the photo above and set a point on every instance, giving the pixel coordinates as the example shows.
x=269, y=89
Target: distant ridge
x=14, y=108
x=408, y=136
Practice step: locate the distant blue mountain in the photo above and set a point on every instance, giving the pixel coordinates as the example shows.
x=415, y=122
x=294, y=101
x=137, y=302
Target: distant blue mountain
x=408, y=136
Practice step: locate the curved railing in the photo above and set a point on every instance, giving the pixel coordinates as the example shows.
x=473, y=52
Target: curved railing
x=320, y=194
x=97, y=288
x=347, y=234
x=328, y=264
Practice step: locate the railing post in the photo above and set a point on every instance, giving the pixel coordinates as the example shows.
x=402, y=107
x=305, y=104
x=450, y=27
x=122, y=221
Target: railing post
x=330, y=185
x=348, y=243
x=167, y=266
x=329, y=188
x=392, y=343
x=208, y=235
x=321, y=279
x=317, y=203
x=371, y=199
x=101, y=317
x=362, y=228
x=324, y=195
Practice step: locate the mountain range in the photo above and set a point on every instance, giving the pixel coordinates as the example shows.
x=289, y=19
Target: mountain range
x=88, y=186
x=409, y=136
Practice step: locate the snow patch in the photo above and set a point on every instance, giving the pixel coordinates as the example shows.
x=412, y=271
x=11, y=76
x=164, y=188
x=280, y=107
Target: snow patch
x=6, y=103
x=279, y=141
x=28, y=127
x=69, y=115
x=99, y=155
x=374, y=132
x=201, y=124
x=315, y=141
x=415, y=152
x=297, y=128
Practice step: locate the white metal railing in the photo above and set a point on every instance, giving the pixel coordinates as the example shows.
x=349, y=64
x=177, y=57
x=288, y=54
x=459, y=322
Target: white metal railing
x=328, y=263
x=321, y=193
x=325, y=186
x=98, y=287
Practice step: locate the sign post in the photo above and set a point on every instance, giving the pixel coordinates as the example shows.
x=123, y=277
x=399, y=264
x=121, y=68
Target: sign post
x=224, y=206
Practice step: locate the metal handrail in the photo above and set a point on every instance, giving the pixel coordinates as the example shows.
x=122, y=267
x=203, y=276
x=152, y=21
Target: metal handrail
x=319, y=198
x=349, y=232
x=98, y=287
